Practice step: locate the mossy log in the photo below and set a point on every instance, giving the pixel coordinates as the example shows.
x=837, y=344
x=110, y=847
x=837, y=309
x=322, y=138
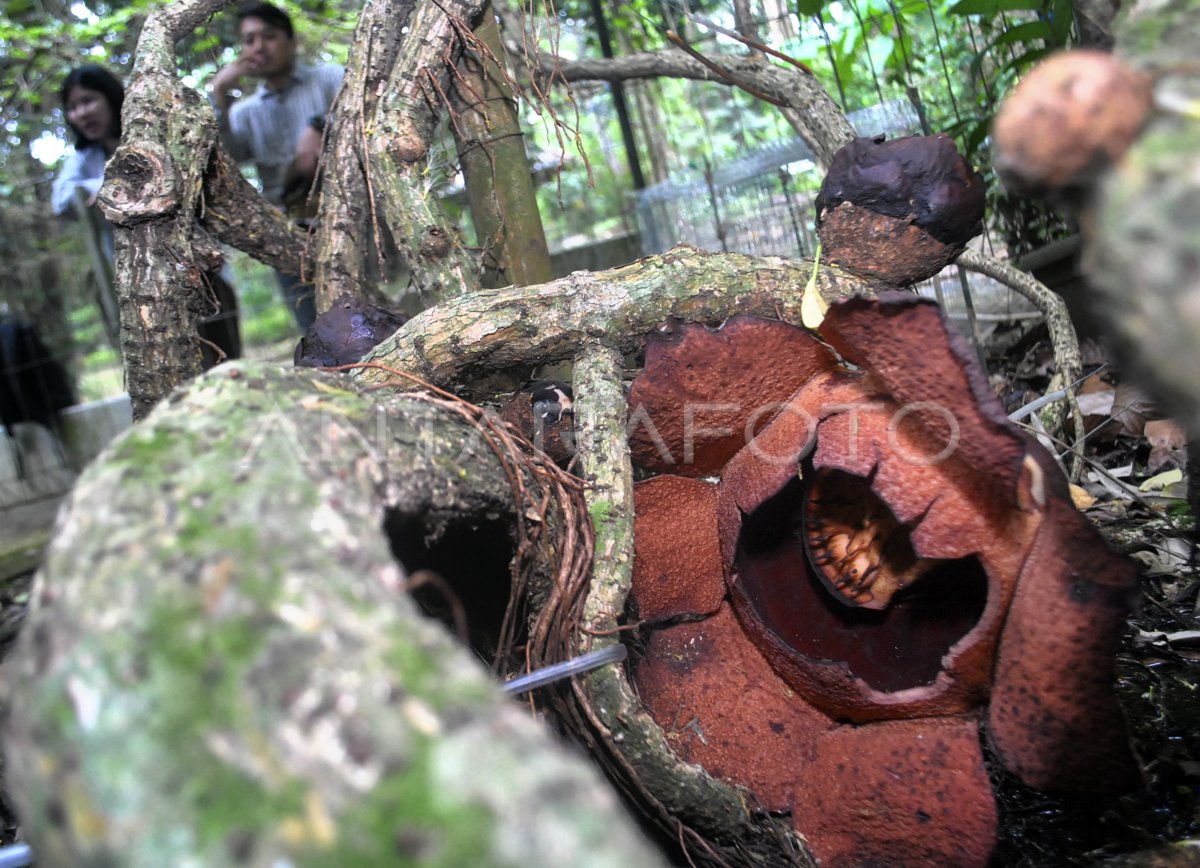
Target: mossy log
x=221, y=667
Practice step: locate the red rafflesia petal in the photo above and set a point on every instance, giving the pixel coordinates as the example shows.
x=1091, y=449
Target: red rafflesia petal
x=1054, y=719
x=689, y=409
x=720, y=705
x=896, y=793
x=928, y=371
x=677, y=564
x=948, y=465
x=905, y=792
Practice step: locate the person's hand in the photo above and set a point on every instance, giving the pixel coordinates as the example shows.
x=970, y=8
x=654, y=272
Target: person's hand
x=308, y=153
x=227, y=79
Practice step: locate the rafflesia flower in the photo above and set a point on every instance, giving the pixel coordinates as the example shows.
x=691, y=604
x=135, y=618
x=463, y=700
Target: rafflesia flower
x=884, y=562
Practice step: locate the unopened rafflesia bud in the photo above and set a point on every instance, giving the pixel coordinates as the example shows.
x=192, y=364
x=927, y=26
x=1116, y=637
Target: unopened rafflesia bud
x=1071, y=117
x=898, y=210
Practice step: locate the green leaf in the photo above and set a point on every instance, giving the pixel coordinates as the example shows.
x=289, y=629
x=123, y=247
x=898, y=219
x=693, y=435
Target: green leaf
x=1062, y=17
x=809, y=7
x=994, y=7
x=976, y=137
x=1022, y=62
x=1027, y=32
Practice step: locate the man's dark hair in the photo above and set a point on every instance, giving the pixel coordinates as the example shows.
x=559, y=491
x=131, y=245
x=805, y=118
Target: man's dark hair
x=99, y=79
x=268, y=14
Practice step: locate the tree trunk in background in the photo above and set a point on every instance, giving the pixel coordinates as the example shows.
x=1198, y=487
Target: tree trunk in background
x=495, y=165
x=637, y=178
x=743, y=19
x=652, y=126
x=648, y=114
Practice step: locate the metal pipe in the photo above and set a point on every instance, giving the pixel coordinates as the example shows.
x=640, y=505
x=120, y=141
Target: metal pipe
x=15, y=856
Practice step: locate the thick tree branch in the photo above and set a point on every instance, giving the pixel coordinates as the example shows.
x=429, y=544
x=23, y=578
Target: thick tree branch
x=401, y=128
x=605, y=696
x=238, y=216
x=152, y=195
x=350, y=227
x=807, y=106
x=468, y=338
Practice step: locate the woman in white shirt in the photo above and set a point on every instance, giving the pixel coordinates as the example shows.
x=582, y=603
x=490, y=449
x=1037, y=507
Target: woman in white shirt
x=92, y=98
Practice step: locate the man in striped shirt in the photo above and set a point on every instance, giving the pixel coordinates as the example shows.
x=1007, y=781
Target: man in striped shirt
x=279, y=125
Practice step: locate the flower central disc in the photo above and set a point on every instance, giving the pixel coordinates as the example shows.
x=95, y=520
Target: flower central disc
x=856, y=546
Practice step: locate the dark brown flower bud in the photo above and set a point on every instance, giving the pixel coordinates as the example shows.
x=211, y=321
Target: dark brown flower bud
x=345, y=333
x=899, y=210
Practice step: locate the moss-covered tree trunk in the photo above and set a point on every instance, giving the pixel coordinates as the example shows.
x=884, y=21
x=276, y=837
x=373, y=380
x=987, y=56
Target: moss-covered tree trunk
x=221, y=666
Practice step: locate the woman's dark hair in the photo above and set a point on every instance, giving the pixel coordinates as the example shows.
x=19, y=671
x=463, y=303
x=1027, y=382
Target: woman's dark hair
x=99, y=79
x=268, y=14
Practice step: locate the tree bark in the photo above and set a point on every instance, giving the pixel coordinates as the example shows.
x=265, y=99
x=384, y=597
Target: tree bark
x=220, y=666
x=237, y=215
x=400, y=101
x=353, y=213
x=462, y=342
x=491, y=149
x=153, y=194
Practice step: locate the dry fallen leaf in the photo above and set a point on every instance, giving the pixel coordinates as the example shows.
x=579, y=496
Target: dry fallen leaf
x=812, y=307
x=1081, y=498
x=1162, y=480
